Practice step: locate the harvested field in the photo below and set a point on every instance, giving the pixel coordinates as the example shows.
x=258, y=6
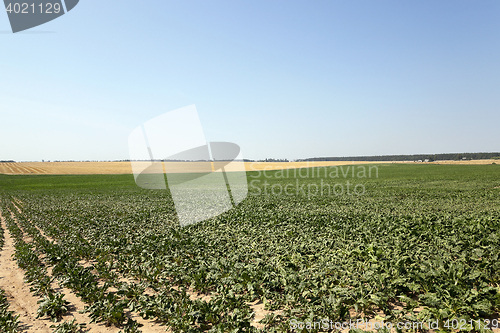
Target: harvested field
x=419, y=245
x=111, y=168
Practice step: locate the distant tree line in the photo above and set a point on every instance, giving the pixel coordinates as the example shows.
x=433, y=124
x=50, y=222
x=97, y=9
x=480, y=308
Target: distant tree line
x=417, y=157
x=274, y=160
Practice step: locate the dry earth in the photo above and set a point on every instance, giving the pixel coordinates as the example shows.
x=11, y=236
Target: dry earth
x=20, y=299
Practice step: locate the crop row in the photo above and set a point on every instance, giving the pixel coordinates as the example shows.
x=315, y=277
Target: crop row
x=9, y=322
x=170, y=306
x=51, y=303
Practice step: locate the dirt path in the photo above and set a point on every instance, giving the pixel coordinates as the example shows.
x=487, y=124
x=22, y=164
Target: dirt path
x=20, y=299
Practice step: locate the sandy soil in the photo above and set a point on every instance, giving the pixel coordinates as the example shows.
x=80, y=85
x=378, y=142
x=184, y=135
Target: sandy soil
x=20, y=299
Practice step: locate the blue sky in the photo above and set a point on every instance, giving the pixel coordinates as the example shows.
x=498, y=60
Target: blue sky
x=283, y=79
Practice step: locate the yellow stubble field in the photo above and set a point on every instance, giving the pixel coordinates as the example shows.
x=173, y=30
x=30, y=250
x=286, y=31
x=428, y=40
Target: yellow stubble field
x=90, y=168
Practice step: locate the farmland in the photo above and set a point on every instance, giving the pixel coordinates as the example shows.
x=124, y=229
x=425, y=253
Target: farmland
x=421, y=243
x=114, y=168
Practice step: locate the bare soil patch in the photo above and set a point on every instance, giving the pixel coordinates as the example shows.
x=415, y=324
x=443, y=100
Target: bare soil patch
x=20, y=299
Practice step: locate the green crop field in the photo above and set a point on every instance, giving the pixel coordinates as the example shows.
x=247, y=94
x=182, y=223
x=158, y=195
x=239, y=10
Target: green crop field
x=411, y=243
